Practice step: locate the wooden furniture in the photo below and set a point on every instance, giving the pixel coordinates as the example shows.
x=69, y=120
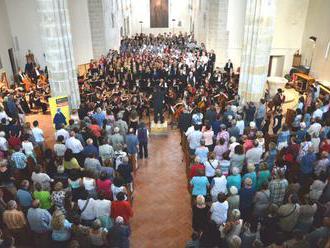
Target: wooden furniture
x=302, y=81
x=324, y=88
x=296, y=60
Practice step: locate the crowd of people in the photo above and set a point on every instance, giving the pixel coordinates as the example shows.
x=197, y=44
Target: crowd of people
x=251, y=185
x=257, y=186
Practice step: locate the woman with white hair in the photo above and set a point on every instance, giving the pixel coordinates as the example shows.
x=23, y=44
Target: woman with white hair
x=234, y=179
x=234, y=227
x=200, y=214
x=218, y=185
x=233, y=199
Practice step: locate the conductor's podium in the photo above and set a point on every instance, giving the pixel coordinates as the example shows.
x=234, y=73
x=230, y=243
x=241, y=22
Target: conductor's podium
x=159, y=128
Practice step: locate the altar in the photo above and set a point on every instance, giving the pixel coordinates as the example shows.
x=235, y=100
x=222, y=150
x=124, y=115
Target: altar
x=275, y=83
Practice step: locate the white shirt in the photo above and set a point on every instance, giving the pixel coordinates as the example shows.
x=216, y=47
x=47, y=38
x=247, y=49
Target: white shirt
x=74, y=144
x=42, y=178
x=318, y=113
x=38, y=134
x=103, y=208
x=62, y=132
x=240, y=125
x=314, y=128
x=253, y=155
x=3, y=144
x=232, y=148
x=3, y=114
x=190, y=130
x=89, y=183
x=27, y=147
x=89, y=212
x=219, y=212
x=220, y=186
x=59, y=149
x=115, y=190
x=210, y=167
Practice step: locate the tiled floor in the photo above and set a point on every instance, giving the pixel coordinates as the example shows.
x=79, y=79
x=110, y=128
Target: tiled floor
x=162, y=212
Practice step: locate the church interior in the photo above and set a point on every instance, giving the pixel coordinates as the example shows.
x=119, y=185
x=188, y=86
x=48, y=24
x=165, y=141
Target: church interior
x=164, y=123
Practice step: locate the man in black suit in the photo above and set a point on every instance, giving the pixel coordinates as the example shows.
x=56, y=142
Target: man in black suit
x=229, y=67
x=158, y=102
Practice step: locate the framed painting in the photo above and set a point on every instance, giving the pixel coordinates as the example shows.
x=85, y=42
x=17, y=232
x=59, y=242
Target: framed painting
x=158, y=13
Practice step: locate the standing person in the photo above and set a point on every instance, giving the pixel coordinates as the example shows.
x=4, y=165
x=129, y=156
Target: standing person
x=15, y=222
x=121, y=207
x=38, y=135
x=143, y=136
x=194, y=139
x=219, y=210
x=118, y=235
x=200, y=214
x=59, y=119
x=246, y=199
x=277, y=120
x=132, y=143
x=260, y=113
x=61, y=229
x=39, y=221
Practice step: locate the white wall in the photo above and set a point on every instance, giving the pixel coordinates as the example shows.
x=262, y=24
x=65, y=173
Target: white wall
x=178, y=10
x=318, y=25
x=289, y=29
x=81, y=32
x=24, y=24
x=5, y=40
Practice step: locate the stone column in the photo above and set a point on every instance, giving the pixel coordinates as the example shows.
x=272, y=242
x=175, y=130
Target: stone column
x=258, y=34
x=96, y=21
x=57, y=44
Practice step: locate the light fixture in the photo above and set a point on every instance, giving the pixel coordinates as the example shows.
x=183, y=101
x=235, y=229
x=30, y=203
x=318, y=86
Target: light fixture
x=141, y=22
x=313, y=39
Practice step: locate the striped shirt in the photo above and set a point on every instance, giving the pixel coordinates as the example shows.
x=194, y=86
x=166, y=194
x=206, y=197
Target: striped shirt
x=14, y=219
x=19, y=159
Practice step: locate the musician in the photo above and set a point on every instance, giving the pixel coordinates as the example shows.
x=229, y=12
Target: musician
x=229, y=68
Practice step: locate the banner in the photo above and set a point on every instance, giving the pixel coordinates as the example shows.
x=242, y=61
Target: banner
x=59, y=103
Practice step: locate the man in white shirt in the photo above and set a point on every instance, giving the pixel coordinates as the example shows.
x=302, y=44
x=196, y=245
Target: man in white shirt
x=38, y=135
x=315, y=127
x=74, y=144
x=62, y=132
x=219, y=210
x=318, y=113
x=3, y=142
x=253, y=155
x=240, y=124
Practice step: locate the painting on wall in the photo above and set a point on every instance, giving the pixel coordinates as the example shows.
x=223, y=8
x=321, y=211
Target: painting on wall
x=158, y=13
x=0, y=64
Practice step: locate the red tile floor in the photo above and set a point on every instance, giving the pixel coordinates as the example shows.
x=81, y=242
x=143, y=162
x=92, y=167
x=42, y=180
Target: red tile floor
x=162, y=212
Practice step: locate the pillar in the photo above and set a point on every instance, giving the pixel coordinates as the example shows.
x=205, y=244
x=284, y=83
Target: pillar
x=57, y=45
x=96, y=21
x=258, y=33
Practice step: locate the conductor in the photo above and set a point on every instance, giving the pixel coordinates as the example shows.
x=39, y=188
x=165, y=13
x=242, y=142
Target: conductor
x=158, y=96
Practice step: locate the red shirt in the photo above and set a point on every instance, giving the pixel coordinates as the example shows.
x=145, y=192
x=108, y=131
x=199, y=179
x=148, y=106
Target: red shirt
x=96, y=130
x=195, y=168
x=123, y=209
x=104, y=187
x=14, y=141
